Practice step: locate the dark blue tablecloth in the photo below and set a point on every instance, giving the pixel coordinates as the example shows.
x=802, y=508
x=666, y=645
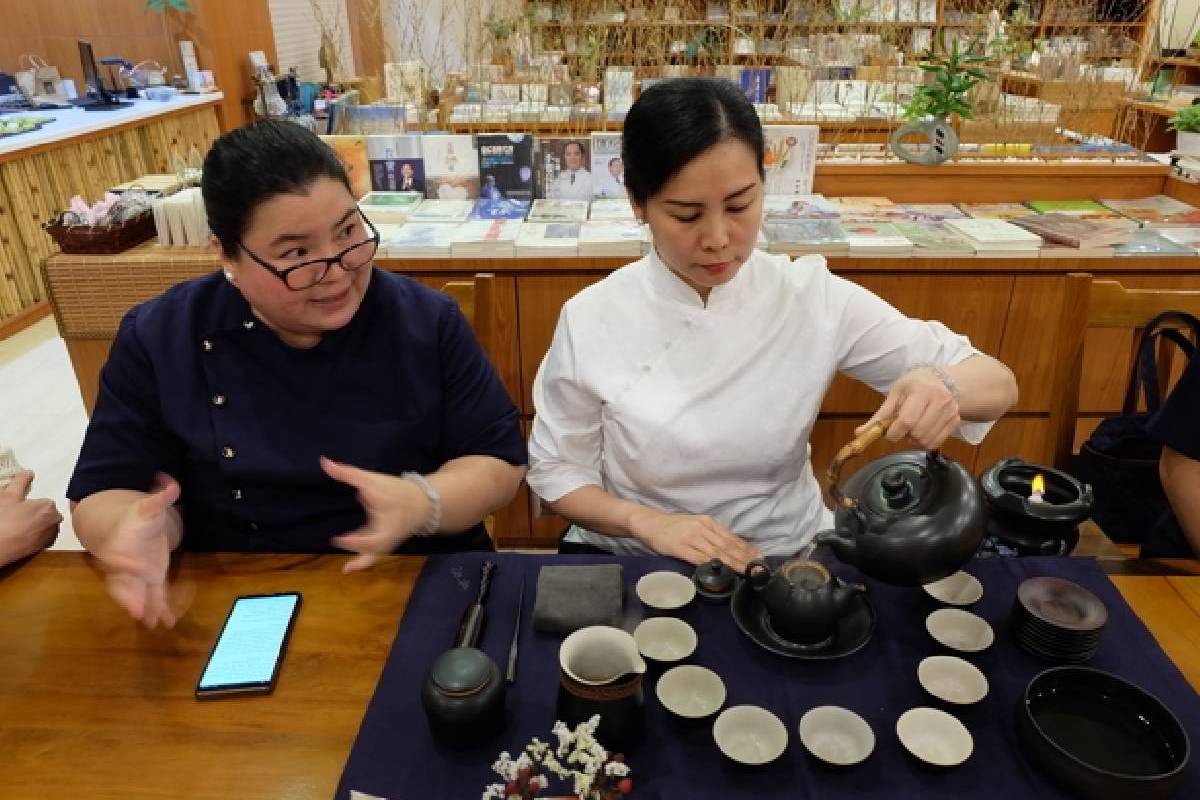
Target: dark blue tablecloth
x=394, y=756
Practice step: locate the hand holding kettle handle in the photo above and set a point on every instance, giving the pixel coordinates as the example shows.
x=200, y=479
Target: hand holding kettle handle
x=833, y=475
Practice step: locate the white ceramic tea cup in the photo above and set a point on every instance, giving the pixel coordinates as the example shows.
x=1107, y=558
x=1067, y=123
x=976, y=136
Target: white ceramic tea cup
x=960, y=630
x=691, y=692
x=665, y=639
x=952, y=679
x=750, y=735
x=836, y=735
x=934, y=736
x=665, y=590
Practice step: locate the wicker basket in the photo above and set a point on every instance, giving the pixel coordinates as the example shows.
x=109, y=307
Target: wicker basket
x=96, y=240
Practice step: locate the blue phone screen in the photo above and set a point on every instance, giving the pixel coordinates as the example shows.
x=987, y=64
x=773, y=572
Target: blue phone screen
x=250, y=643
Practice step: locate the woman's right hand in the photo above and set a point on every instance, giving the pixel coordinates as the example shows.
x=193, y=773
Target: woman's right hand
x=137, y=554
x=692, y=538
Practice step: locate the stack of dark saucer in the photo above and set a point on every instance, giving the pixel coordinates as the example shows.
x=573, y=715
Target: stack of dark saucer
x=1057, y=620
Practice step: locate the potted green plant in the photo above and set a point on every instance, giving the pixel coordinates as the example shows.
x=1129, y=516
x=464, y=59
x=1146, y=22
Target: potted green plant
x=935, y=104
x=1186, y=124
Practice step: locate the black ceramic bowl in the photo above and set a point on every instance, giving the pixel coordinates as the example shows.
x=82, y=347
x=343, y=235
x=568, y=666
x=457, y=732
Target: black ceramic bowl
x=1100, y=737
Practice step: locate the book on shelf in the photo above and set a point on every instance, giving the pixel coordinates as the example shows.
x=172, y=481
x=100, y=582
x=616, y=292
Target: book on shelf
x=1150, y=242
x=386, y=207
x=618, y=91
x=1001, y=211
x=876, y=239
x=860, y=206
x=500, y=209
x=485, y=238
x=505, y=165
x=935, y=239
x=352, y=152
x=396, y=162
x=158, y=185
x=613, y=238
x=754, y=82
x=1159, y=211
x=562, y=168
x=442, y=211
x=373, y=119
x=420, y=240
x=790, y=158
x=994, y=236
x=1188, y=236
x=1074, y=231
x=931, y=212
x=1083, y=209
x=611, y=208
x=548, y=239
x=608, y=170
x=800, y=236
x=798, y=206
x=451, y=166
x=558, y=211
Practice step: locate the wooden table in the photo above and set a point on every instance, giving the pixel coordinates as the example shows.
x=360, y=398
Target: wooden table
x=91, y=705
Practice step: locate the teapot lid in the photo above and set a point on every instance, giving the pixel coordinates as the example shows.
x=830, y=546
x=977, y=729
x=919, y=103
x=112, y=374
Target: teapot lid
x=714, y=577
x=902, y=484
x=461, y=671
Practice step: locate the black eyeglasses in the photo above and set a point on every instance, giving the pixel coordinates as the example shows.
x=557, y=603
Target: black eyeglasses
x=309, y=273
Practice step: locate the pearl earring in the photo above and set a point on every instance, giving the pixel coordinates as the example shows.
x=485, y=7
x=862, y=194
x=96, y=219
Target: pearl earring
x=229, y=276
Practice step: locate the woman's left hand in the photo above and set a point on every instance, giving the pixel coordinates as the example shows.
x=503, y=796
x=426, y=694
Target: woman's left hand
x=396, y=509
x=923, y=408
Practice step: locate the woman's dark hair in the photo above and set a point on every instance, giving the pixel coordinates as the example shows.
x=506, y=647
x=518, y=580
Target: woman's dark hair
x=674, y=121
x=252, y=164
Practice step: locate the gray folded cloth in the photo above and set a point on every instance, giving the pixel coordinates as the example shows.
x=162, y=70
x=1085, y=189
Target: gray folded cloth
x=570, y=598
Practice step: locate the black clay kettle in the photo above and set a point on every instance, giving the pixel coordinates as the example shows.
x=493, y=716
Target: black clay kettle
x=909, y=518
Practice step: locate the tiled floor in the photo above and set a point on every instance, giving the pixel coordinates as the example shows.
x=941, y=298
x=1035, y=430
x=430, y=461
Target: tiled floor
x=41, y=413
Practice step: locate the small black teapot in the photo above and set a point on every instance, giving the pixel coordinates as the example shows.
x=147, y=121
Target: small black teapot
x=908, y=519
x=803, y=600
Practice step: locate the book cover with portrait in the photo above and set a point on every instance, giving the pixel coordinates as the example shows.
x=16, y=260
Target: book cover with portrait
x=608, y=170
x=505, y=166
x=396, y=163
x=563, y=168
x=451, y=166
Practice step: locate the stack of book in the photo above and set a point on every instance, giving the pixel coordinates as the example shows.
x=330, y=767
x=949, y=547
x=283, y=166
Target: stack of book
x=798, y=206
x=1082, y=209
x=876, y=239
x=500, y=209
x=995, y=238
x=1005, y=211
x=867, y=209
x=420, y=240
x=613, y=238
x=611, y=209
x=180, y=219
x=1188, y=237
x=935, y=240
x=558, y=211
x=931, y=212
x=796, y=237
x=385, y=207
x=548, y=239
x=485, y=238
x=1087, y=238
x=442, y=211
x=1159, y=211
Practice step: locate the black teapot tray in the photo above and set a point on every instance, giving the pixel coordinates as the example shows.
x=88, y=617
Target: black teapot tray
x=853, y=632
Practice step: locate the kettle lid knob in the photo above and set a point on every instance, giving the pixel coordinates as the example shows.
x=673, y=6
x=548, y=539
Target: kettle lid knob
x=897, y=491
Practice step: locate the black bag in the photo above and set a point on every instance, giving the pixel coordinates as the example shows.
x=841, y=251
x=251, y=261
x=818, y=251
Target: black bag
x=1120, y=460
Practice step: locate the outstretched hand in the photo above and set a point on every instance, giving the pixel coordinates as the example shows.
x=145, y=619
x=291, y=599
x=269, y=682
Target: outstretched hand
x=137, y=555
x=396, y=509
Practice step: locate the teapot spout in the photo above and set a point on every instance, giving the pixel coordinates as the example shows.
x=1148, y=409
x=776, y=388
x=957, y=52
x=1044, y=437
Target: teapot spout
x=843, y=545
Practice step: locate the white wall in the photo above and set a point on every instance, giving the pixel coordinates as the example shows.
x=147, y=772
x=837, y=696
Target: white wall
x=298, y=35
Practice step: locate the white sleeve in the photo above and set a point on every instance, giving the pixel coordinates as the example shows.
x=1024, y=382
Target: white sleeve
x=877, y=344
x=566, y=439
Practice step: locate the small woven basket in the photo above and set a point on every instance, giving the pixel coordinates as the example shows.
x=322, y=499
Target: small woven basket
x=101, y=240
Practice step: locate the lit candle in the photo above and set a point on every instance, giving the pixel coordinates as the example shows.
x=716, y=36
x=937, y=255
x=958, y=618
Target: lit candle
x=1038, y=489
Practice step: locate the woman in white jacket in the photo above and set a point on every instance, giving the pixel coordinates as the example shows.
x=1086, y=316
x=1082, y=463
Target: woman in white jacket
x=675, y=405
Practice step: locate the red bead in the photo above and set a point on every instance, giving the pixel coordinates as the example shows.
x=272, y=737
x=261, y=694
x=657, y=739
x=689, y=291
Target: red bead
x=511, y=788
x=625, y=786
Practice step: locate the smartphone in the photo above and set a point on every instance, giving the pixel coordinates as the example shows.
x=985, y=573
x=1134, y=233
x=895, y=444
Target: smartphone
x=249, y=650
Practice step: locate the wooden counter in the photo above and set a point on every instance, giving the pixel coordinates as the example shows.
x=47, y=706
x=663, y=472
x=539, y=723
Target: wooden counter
x=83, y=153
